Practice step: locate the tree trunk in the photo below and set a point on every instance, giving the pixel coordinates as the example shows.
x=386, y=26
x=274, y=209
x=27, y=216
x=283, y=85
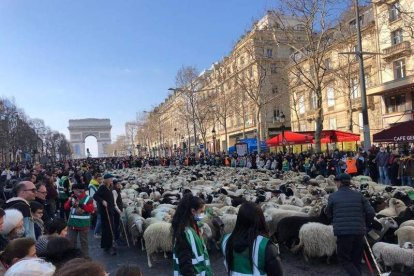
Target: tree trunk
x=227, y=139
x=258, y=130
x=244, y=119
x=318, y=131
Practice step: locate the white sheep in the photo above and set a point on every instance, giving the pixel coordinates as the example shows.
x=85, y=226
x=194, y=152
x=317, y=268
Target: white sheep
x=407, y=223
x=290, y=207
x=229, y=222
x=296, y=201
x=393, y=254
x=143, y=195
x=317, y=240
x=395, y=207
x=228, y=210
x=158, y=237
x=405, y=234
x=136, y=230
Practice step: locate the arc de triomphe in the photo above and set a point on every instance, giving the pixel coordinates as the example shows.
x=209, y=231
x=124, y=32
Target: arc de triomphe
x=80, y=129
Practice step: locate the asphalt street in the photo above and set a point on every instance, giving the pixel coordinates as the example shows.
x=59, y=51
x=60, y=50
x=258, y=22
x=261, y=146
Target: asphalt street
x=292, y=264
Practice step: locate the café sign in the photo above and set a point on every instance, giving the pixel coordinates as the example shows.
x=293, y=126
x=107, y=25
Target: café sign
x=404, y=138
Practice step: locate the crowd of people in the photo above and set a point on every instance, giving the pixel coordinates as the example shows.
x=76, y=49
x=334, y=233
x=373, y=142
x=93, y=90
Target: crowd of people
x=47, y=209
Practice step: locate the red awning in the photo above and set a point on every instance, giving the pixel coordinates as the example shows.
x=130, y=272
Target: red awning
x=291, y=138
x=398, y=133
x=333, y=136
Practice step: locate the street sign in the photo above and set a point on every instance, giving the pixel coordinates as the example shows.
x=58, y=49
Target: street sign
x=201, y=146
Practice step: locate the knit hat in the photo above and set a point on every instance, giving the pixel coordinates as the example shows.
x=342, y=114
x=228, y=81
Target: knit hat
x=108, y=175
x=11, y=220
x=343, y=177
x=32, y=267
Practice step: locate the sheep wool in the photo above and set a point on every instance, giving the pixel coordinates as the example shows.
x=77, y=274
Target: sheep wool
x=317, y=240
x=158, y=236
x=405, y=234
x=393, y=254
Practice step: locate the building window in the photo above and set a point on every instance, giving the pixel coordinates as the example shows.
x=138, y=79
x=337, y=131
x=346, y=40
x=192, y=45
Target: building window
x=302, y=127
x=394, y=11
x=367, y=80
x=273, y=68
x=330, y=95
x=332, y=123
x=355, y=93
x=327, y=63
x=396, y=37
x=276, y=114
x=356, y=51
x=275, y=90
x=395, y=103
x=301, y=104
x=399, y=69
x=269, y=52
x=241, y=60
x=314, y=100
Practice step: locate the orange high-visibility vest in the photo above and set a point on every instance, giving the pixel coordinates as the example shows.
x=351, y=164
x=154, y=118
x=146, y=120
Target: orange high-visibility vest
x=351, y=166
x=227, y=162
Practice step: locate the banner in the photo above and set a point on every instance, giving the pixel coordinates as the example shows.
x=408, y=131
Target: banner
x=241, y=149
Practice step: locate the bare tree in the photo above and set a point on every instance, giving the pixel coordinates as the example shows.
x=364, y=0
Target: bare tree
x=398, y=10
x=186, y=80
x=252, y=77
x=307, y=71
x=223, y=110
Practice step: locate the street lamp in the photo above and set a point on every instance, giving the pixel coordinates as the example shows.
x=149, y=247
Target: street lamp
x=214, y=140
x=282, y=120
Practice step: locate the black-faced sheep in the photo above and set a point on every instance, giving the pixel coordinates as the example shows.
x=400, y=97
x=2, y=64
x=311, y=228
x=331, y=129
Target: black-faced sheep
x=288, y=228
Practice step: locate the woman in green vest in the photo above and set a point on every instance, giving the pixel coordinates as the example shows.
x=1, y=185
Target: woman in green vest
x=248, y=250
x=190, y=254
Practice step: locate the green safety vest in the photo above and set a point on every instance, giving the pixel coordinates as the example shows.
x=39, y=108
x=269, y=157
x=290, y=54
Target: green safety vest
x=199, y=254
x=241, y=261
x=285, y=166
x=61, y=188
x=80, y=221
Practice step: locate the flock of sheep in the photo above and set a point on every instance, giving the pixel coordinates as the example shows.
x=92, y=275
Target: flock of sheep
x=293, y=205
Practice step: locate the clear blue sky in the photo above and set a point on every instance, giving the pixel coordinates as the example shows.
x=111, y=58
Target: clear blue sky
x=72, y=59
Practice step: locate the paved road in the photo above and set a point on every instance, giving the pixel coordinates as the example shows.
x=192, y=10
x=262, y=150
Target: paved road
x=292, y=264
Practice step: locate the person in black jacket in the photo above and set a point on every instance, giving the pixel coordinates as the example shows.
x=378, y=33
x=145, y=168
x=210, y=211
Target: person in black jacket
x=350, y=213
x=106, y=206
x=190, y=253
x=248, y=249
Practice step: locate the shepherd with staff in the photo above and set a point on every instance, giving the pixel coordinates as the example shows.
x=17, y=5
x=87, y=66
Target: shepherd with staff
x=105, y=201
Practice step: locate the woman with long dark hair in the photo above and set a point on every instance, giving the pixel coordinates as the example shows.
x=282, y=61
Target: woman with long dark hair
x=248, y=250
x=190, y=253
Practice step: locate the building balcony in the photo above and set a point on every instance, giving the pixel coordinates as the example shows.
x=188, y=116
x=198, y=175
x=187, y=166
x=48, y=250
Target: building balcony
x=396, y=51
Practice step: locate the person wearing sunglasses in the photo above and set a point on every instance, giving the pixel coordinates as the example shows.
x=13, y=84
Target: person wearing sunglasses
x=25, y=193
